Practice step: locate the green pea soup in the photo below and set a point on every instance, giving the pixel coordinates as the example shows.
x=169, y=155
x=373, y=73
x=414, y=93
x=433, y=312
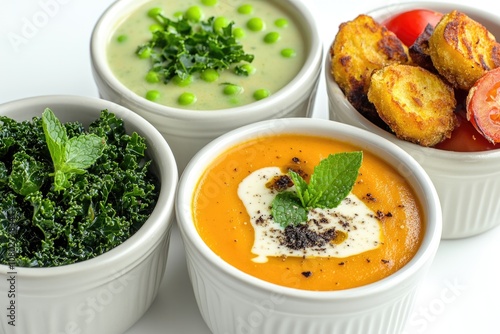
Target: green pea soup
x=265, y=30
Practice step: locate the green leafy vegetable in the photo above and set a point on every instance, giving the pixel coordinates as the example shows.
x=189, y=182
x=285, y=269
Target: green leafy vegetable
x=184, y=47
x=242, y=70
x=27, y=174
x=70, y=156
x=105, y=190
x=330, y=183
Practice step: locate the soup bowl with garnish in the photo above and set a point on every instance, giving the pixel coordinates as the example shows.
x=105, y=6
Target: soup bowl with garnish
x=449, y=133
x=199, y=68
x=304, y=225
x=87, y=199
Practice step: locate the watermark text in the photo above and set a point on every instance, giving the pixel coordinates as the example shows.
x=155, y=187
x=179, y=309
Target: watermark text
x=31, y=25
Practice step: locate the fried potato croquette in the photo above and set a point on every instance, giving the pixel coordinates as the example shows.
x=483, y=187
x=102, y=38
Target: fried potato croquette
x=462, y=50
x=416, y=104
x=419, y=50
x=362, y=46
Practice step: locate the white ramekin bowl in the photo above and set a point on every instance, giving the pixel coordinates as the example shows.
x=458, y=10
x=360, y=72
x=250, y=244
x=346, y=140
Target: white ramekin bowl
x=109, y=293
x=468, y=184
x=188, y=130
x=232, y=301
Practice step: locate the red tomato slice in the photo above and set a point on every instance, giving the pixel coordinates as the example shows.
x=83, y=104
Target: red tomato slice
x=483, y=105
x=409, y=25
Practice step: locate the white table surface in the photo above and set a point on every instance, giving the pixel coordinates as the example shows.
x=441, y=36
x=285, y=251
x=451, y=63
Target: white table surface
x=461, y=293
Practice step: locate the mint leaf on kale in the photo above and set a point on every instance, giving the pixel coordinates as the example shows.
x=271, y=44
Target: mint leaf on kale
x=55, y=135
x=70, y=156
x=82, y=152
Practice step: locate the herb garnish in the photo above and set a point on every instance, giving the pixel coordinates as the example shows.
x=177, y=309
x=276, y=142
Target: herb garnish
x=70, y=156
x=184, y=47
x=331, y=182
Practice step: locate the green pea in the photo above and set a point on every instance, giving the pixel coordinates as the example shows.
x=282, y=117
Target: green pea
x=209, y=2
x=220, y=22
x=186, y=99
x=245, y=9
x=178, y=15
x=194, y=14
x=232, y=89
x=272, y=37
x=152, y=77
x=238, y=33
x=153, y=95
x=281, y=23
x=144, y=53
x=209, y=75
x=260, y=94
x=155, y=27
x=182, y=82
x=234, y=100
x=288, y=53
x=153, y=12
x=121, y=38
x=248, y=69
x=255, y=24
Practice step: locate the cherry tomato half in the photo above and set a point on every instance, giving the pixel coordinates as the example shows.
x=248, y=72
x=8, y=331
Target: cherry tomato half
x=409, y=25
x=483, y=105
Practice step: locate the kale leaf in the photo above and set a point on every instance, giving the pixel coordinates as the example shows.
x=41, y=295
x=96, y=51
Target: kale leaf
x=100, y=203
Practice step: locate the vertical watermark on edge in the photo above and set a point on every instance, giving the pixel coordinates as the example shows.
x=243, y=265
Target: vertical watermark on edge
x=11, y=277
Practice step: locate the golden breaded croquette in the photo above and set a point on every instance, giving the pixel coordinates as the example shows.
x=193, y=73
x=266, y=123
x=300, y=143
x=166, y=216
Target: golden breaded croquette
x=419, y=50
x=416, y=104
x=362, y=46
x=462, y=50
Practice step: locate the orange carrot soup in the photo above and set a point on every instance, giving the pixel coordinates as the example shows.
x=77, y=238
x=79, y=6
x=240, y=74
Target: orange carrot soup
x=374, y=231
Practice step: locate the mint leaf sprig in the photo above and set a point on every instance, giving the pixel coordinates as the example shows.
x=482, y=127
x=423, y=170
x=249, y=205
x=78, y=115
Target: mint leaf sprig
x=331, y=182
x=69, y=155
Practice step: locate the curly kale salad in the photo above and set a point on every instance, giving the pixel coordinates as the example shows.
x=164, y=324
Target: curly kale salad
x=67, y=193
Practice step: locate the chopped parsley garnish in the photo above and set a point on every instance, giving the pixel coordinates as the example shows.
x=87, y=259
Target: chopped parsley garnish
x=331, y=182
x=182, y=47
x=68, y=194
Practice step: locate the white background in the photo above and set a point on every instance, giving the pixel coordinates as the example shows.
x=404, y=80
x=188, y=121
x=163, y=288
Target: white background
x=460, y=295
